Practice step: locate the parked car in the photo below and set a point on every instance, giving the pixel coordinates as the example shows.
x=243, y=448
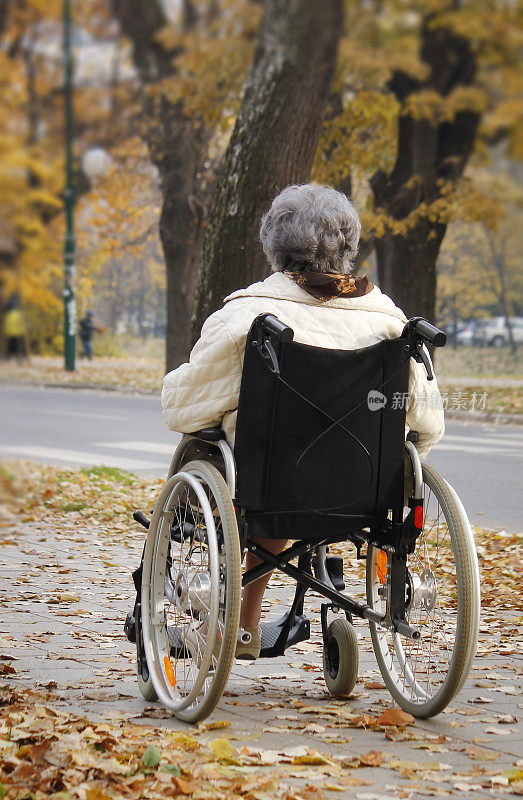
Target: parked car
x=462, y=329
x=493, y=331
x=465, y=334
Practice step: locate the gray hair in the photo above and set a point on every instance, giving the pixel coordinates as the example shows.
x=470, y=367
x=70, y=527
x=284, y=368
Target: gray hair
x=311, y=227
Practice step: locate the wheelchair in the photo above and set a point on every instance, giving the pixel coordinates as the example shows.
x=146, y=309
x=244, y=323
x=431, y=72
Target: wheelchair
x=320, y=458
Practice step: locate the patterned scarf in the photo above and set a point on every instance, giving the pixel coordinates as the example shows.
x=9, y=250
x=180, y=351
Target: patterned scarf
x=325, y=286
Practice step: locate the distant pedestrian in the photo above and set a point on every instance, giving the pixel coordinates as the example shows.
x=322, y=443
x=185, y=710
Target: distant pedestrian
x=87, y=328
x=14, y=329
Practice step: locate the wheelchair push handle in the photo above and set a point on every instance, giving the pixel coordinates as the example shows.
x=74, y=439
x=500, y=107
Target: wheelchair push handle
x=427, y=332
x=272, y=326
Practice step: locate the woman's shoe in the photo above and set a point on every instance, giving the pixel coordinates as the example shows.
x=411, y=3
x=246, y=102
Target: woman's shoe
x=195, y=643
x=250, y=651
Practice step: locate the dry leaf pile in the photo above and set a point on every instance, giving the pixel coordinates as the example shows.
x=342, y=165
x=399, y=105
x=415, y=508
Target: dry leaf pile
x=46, y=752
x=105, y=496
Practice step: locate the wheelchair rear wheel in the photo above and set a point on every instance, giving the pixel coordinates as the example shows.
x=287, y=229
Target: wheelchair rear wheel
x=443, y=603
x=191, y=591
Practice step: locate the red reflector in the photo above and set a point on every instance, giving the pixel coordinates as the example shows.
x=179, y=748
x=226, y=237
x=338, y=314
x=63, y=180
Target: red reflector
x=418, y=516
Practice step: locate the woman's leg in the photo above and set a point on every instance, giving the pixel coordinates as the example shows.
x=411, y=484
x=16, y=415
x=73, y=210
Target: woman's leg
x=252, y=595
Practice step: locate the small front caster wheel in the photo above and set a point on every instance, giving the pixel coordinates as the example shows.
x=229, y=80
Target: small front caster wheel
x=341, y=658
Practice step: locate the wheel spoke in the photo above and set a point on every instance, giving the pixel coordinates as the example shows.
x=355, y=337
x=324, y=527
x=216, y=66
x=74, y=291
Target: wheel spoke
x=423, y=674
x=188, y=553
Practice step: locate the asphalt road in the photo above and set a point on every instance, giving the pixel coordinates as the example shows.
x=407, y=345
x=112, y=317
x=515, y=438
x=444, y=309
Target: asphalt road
x=81, y=428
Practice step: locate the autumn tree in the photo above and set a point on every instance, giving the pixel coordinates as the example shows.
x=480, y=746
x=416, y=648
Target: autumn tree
x=29, y=178
x=273, y=143
x=480, y=265
x=421, y=87
x=463, y=290
x=119, y=252
x=31, y=151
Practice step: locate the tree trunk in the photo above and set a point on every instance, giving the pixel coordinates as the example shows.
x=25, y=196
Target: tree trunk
x=431, y=156
x=499, y=262
x=407, y=268
x=179, y=156
x=178, y=148
x=273, y=143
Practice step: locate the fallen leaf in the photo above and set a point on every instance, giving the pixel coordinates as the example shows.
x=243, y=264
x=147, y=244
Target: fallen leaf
x=172, y=769
x=63, y=597
x=223, y=751
x=185, y=787
x=151, y=757
x=214, y=726
x=395, y=716
x=312, y=758
x=513, y=774
x=374, y=758
x=480, y=754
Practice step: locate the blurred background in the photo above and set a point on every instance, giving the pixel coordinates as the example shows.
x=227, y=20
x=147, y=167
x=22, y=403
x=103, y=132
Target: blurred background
x=146, y=137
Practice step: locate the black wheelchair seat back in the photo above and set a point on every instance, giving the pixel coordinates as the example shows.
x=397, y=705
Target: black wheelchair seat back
x=320, y=434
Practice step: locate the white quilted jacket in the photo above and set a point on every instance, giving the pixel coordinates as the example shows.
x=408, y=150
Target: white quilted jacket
x=205, y=391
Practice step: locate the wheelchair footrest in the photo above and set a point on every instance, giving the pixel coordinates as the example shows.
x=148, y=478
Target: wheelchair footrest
x=273, y=641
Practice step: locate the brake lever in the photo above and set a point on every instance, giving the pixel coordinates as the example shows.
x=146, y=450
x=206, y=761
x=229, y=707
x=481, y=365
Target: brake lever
x=266, y=350
x=269, y=354
x=422, y=358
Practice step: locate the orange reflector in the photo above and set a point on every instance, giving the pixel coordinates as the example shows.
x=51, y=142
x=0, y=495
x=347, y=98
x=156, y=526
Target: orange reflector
x=381, y=566
x=169, y=671
x=418, y=516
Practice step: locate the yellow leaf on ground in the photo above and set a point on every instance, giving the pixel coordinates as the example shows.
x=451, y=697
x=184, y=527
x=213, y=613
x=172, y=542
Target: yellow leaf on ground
x=313, y=758
x=223, y=751
x=214, y=726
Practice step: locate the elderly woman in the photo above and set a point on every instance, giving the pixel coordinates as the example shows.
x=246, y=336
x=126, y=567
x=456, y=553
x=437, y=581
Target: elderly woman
x=310, y=236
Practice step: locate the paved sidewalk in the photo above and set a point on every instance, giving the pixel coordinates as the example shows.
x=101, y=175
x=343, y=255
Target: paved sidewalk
x=63, y=598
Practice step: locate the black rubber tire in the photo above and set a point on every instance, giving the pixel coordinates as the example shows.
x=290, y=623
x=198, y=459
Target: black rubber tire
x=157, y=647
x=341, y=658
x=467, y=613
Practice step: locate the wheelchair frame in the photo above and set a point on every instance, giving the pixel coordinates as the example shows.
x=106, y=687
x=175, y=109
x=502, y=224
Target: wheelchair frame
x=312, y=573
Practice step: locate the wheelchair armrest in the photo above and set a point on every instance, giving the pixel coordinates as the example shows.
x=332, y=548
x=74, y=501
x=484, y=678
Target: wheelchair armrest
x=209, y=434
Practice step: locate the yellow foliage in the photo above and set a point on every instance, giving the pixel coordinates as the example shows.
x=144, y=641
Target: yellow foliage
x=31, y=163
x=482, y=250
x=211, y=64
x=364, y=134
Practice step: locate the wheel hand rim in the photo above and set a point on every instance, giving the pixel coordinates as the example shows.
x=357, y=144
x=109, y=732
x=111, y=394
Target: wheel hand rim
x=171, y=696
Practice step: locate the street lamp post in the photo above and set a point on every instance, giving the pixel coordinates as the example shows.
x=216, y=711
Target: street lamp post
x=69, y=245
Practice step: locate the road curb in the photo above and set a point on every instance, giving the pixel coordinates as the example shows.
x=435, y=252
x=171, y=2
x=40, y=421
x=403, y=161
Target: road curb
x=483, y=416
x=85, y=387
